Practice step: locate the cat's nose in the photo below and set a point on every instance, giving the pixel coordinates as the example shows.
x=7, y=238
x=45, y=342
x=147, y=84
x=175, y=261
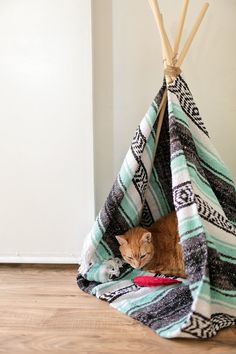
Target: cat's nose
x=137, y=265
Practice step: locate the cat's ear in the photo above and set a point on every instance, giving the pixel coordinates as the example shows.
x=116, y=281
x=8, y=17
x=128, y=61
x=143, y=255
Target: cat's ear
x=121, y=239
x=146, y=237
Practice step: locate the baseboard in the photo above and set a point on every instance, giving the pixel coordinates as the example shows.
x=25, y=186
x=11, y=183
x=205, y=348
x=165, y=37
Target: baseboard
x=39, y=259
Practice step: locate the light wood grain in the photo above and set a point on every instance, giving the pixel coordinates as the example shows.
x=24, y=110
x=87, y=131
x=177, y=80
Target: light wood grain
x=43, y=311
x=192, y=34
x=180, y=27
x=168, y=52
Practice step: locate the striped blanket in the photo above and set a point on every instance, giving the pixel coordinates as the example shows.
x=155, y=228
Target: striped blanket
x=185, y=173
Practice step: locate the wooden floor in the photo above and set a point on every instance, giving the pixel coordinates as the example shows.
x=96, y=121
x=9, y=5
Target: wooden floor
x=43, y=311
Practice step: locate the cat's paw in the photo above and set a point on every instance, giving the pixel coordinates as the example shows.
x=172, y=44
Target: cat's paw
x=152, y=271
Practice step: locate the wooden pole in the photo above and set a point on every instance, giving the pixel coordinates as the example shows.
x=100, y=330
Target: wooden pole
x=161, y=114
x=168, y=53
x=192, y=35
x=180, y=27
x=165, y=62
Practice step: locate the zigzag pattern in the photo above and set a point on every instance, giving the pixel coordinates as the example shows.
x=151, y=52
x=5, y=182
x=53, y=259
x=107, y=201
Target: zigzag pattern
x=199, y=326
x=212, y=216
x=147, y=218
x=222, y=320
x=182, y=92
x=203, y=327
x=138, y=144
x=140, y=180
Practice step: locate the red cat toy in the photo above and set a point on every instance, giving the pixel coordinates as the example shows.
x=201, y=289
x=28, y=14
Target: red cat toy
x=145, y=280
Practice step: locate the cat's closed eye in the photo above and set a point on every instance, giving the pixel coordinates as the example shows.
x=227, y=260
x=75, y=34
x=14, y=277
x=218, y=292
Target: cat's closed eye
x=143, y=255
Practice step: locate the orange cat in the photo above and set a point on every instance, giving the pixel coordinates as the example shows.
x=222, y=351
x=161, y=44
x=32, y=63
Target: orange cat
x=156, y=248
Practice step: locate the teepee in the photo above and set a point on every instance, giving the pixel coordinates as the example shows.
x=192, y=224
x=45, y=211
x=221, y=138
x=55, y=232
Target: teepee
x=171, y=165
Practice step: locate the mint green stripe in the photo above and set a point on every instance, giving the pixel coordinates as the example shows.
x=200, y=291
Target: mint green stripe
x=126, y=216
x=148, y=120
x=211, y=292
x=173, y=327
x=203, y=152
x=102, y=253
x=129, y=202
x=158, y=205
x=191, y=234
x=124, y=172
x=222, y=244
x=179, y=114
x=95, y=235
x=213, y=161
x=227, y=252
x=179, y=161
x=149, y=149
x=223, y=296
x=229, y=260
x=152, y=115
x=189, y=223
x=129, y=304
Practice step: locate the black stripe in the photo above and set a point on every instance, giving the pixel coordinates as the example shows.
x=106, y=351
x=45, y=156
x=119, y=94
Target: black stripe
x=190, y=231
x=121, y=182
x=184, y=206
x=121, y=292
x=151, y=302
x=181, y=185
x=221, y=292
x=220, y=253
x=106, y=247
x=214, y=170
x=127, y=216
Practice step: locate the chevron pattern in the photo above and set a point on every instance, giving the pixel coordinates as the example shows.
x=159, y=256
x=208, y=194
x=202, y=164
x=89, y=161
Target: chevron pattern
x=181, y=90
x=138, y=143
x=203, y=327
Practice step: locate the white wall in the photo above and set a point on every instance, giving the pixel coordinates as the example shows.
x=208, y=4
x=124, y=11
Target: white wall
x=128, y=63
x=103, y=98
x=46, y=145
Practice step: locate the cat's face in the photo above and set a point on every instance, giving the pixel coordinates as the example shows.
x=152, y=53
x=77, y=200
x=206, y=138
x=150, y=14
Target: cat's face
x=136, y=247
